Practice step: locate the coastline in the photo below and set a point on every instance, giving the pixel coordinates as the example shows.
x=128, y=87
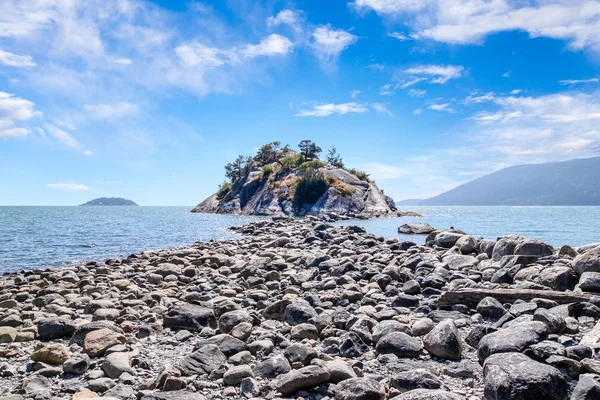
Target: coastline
x=302, y=308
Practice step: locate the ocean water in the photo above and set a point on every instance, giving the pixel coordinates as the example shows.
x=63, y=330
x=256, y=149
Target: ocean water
x=575, y=226
x=53, y=236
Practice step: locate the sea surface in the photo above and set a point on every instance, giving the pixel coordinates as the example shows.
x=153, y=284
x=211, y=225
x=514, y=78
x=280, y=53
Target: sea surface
x=53, y=236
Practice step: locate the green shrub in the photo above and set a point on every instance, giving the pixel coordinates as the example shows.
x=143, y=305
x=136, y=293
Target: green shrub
x=291, y=162
x=266, y=171
x=362, y=175
x=309, y=187
x=312, y=164
x=224, y=188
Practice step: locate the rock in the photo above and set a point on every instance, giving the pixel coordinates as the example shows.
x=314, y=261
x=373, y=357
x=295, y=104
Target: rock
x=427, y=394
x=447, y=239
x=590, y=282
x=533, y=247
x=444, y=341
x=116, y=364
x=422, y=327
x=235, y=375
x=359, y=389
x=489, y=307
x=415, y=379
x=204, y=360
x=101, y=385
x=76, y=365
x=554, y=322
x=54, y=353
x=299, y=352
x=249, y=387
x=7, y=334
x=55, y=328
x=514, y=376
x=588, y=262
x=227, y=344
x=303, y=378
x=416, y=228
x=588, y=388
x=97, y=342
x=36, y=385
x=298, y=312
x=83, y=330
x=339, y=370
x=190, y=317
x=305, y=331
x=558, y=278
x=515, y=338
x=176, y=395
x=399, y=344
x=230, y=319
x=272, y=367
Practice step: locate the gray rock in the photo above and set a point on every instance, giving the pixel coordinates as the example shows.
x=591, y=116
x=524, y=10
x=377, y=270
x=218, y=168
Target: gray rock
x=204, y=360
x=489, y=307
x=429, y=394
x=249, y=387
x=190, y=317
x=76, y=365
x=272, y=367
x=444, y=341
x=590, y=282
x=55, y=328
x=298, y=312
x=533, y=247
x=588, y=262
x=588, y=388
x=515, y=338
x=100, y=385
x=415, y=379
x=416, y=228
x=514, y=376
x=230, y=319
x=176, y=395
x=82, y=330
x=359, y=389
x=235, y=375
x=116, y=364
x=227, y=344
x=399, y=344
x=303, y=378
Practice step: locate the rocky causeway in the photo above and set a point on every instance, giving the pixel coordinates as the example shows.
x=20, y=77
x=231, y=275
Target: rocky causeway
x=297, y=308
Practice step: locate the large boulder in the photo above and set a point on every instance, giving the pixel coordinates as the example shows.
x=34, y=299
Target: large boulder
x=558, y=278
x=515, y=338
x=416, y=228
x=399, y=344
x=590, y=282
x=588, y=388
x=533, y=247
x=359, y=389
x=303, y=378
x=588, y=262
x=444, y=341
x=189, y=316
x=202, y=361
x=55, y=328
x=514, y=376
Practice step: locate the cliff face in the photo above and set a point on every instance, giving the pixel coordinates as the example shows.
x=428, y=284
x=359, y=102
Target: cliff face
x=273, y=195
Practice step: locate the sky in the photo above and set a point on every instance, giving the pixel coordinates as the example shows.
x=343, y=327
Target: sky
x=148, y=100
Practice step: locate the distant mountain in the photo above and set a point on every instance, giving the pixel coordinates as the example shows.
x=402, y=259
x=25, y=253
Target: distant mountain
x=568, y=183
x=109, y=201
x=409, y=202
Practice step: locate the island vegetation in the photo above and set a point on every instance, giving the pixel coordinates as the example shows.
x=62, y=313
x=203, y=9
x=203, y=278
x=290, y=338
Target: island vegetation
x=109, y=201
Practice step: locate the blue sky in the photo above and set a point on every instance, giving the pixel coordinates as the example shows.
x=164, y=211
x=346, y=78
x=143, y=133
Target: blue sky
x=148, y=100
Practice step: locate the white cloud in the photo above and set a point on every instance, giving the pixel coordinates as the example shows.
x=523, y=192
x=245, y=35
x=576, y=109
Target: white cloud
x=434, y=73
x=400, y=36
x=63, y=137
x=376, y=66
x=324, y=110
x=199, y=55
x=13, y=60
x=354, y=93
x=88, y=153
x=507, y=74
x=381, y=108
x=470, y=21
x=386, y=90
x=15, y=110
x=516, y=91
x=122, y=61
x=272, y=45
x=68, y=187
x=111, y=112
x=408, y=83
x=329, y=43
x=479, y=98
x=576, y=81
x=442, y=107
x=286, y=17
x=416, y=93
x=418, y=111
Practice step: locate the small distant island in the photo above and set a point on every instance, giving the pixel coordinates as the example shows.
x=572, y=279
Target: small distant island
x=109, y=201
x=280, y=181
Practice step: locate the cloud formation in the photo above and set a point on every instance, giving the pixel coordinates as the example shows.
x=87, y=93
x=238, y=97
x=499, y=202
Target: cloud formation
x=68, y=187
x=324, y=110
x=15, y=110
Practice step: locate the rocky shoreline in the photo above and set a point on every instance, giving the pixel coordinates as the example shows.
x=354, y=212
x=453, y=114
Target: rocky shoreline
x=302, y=309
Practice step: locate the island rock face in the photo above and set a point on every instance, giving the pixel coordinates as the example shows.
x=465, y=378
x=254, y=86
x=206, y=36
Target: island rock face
x=274, y=195
x=109, y=201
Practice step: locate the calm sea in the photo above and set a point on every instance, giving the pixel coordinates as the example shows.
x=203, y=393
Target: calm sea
x=52, y=236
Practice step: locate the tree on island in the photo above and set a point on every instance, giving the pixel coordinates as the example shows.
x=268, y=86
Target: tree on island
x=271, y=152
x=309, y=150
x=239, y=168
x=334, y=158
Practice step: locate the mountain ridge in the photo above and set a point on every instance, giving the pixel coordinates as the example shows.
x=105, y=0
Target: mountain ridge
x=563, y=183
x=109, y=201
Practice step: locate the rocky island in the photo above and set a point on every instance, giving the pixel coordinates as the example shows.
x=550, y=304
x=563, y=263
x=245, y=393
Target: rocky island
x=109, y=201
x=279, y=181
x=297, y=308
